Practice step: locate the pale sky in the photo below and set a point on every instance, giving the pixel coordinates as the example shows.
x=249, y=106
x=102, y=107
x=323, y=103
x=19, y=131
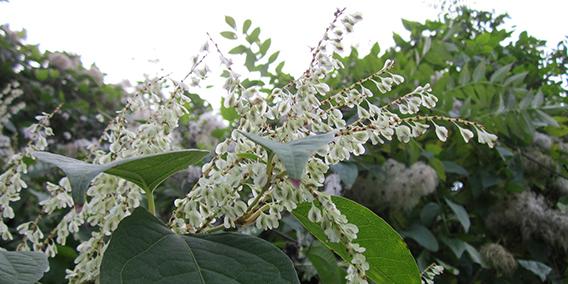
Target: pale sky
x=125, y=38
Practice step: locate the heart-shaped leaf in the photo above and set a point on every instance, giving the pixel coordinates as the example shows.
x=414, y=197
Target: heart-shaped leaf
x=146, y=171
x=144, y=250
x=22, y=267
x=388, y=256
x=294, y=154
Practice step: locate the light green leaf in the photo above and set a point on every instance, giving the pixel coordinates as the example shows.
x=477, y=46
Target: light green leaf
x=479, y=72
x=422, y=236
x=465, y=76
x=143, y=250
x=325, y=263
x=229, y=35
x=22, y=267
x=253, y=35
x=238, y=49
x=515, y=78
x=273, y=57
x=500, y=74
x=246, y=25
x=389, y=259
x=460, y=213
x=295, y=154
x=265, y=46
x=147, y=171
x=231, y=22
x=540, y=269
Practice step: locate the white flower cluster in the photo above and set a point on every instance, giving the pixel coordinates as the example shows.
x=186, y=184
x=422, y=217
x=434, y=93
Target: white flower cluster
x=529, y=214
x=304, y=107
x=11, y=182
x=430, y=273
x=396, y=186
x=8, y=96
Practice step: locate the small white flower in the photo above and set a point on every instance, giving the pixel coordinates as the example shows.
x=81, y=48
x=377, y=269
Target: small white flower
x=441, y=132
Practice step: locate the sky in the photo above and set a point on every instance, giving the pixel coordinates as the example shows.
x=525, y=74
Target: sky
x=128, y=38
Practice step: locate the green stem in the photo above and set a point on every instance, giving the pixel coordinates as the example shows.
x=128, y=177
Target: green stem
x=151, y=204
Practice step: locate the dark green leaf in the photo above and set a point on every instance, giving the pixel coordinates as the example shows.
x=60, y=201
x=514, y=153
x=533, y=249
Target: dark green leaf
x=456, y=245
x=479, y=72
x=422, y=236
x=325, y=263
x=231, y=22
x=429, y=213
x=146, y=171
x=295, y=154
x=22, y=267
x=144, y=250
x=389, y=259
x=460, y=213
x=540, y=269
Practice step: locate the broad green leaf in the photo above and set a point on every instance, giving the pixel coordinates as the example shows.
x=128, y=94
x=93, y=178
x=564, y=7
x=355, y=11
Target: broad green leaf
x=231, y=22
x=348, y=173
x=474, y=255
x=147, y=171
x=144, y=250
x=465, y=76
x=460, y=213
x=325, y=263
x=229, y=35
x=294, y=155
x=22, y=267
x=422, y=236
x=454, y=168
x=388, y=256
x=500, y=74
x=540, y=269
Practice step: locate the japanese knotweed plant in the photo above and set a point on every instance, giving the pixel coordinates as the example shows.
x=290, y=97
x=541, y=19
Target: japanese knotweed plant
x=273, y=162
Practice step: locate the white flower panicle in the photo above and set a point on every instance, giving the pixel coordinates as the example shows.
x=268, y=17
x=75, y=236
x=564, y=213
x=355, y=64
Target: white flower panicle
x=11, y=182
x=305, y=107
x=430, y=273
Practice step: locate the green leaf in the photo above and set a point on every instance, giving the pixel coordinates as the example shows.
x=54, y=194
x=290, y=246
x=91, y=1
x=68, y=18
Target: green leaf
x=273, y=57
x=389, y=259
x=229, y=35
x=422, y=236
x=460, y=213
x=229, y=114
x=456, y=245
x=231, y=22
x=479, y=72
x=347, y=172
x=238, y=49
x=325, y=264
x=500, y=74
x=295, y=154
x=246, y=25
x=474, y=255
x=515, y=78
x=146, y=171
x=265, y=46
x=41, y=74
x=253, y=35
x=144, y=250
x=465, y=77
x=22, y=267
x=540, y=269
x=429, y=213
